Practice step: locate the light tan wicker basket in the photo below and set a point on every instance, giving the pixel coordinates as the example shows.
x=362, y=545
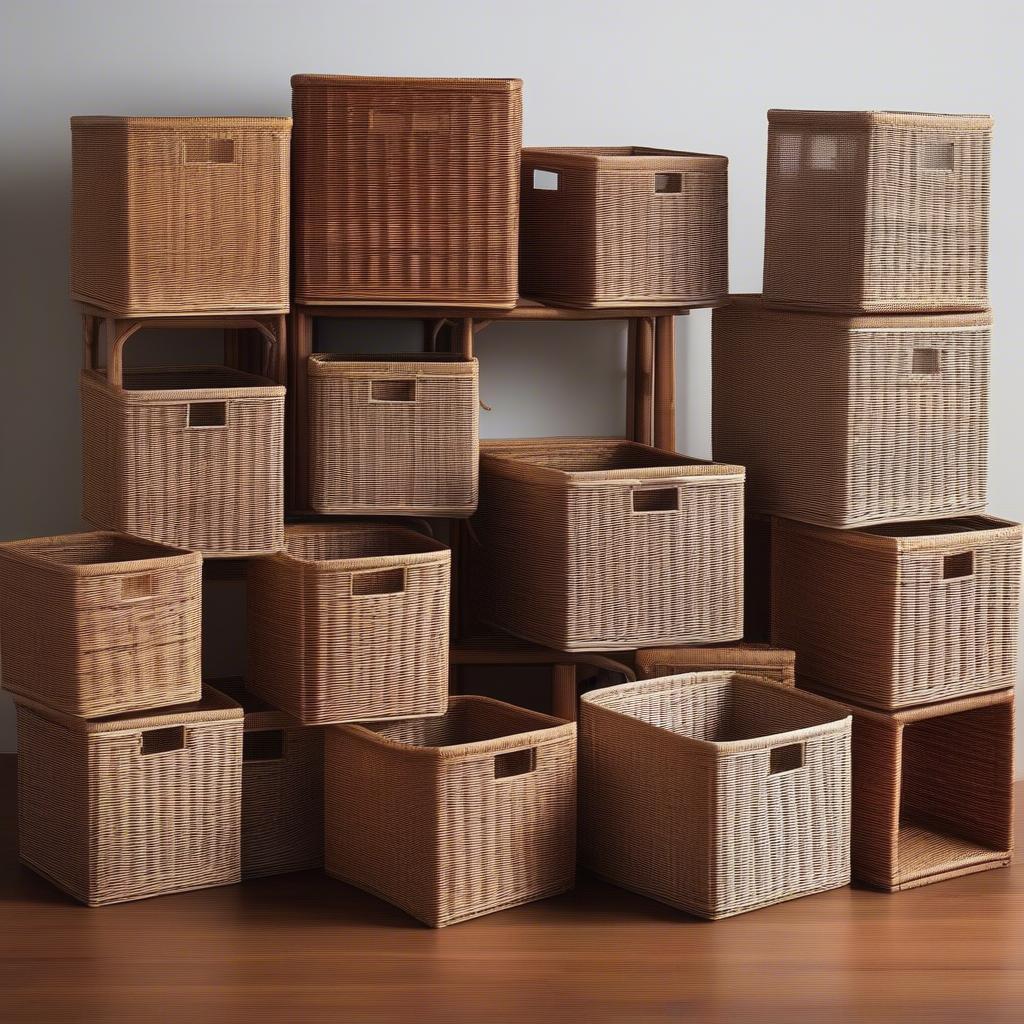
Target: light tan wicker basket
x=892, y=616
x=877, y=211
x=605, y=544
x=394, y=436
x=752, y=659
x=623, y=226
x=847, y=421
x=131, y=806
x=715, y=792
x=178, y=215
x=95, y=624
x=451, y=818
x=406, y=190
x=282, y=787
x=350, y=623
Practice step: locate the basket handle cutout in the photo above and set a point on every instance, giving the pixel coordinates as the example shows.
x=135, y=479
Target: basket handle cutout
x=926, y=360
x=162, y=741
x=263, y=745
x=668, y=184
x=137, y=588
x=936, y=156
x=959, y=566
x=515, y=762
x=207, y=414
x=208, y=151
x=545, y=181
x=375, y=582
x=786, y=759
x=659, y=499
x=393, y=391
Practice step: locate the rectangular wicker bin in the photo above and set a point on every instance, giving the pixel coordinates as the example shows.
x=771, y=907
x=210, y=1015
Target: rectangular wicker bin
x=455, y=817
x=623, y=226
x=191, y=456
x=715, y=792
x=394, y=436
x=406, y=190
x=282, y=788
x=350, y=623
x=95, y=624
x=877, y=211
x=605, y=544
x=847, y=421
x=180, y=215
x=752, y=659
x=131, y=806
x=893, y=616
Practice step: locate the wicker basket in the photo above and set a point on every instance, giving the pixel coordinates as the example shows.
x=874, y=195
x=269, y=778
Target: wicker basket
x=394, y=437
x=177, y=215
x=715, y=792
x=877, y=211
x=98, y=624
x=190, y=456
x=131, y=806
x=847, y=421
x=451, y=818
x=752, y=659
x=350, y=623
x=625, y=226
x=605, y=544
x=894, y=616
x=282, y=788
x=406, y=190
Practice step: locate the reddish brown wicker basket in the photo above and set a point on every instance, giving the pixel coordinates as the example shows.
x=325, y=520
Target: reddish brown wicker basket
x=394, y=436
x=761, y=660
x=847, y=421
x=406, y=190
x=131, y=806
x=877, y=211
x=893, y=616
x=178, y=215
x=623, y=226
x=99, y=624
x=451, y=818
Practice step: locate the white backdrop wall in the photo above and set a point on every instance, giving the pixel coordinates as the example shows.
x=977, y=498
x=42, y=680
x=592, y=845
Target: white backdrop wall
x=671, y=73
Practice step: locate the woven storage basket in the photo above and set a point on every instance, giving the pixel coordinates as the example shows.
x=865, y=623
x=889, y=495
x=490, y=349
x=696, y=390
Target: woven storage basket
x=131, y=806
x=623, y=226
x=406, y=190
x=605, y=544
x=847, y=421
x=190, y=456
x=174, y=215
x=95, y=624
x=394, y=437
x=900, y=615
x=761, y=660
x=877, y=211
x=282, y=788
x=350, y=623
x=715, y=792
x=451, y=818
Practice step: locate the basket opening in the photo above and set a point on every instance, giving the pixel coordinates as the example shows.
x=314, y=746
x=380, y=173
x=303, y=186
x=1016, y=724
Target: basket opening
x=88, y=549
x=207, y=414
x=515, y=762
x=935, y=156
x=661, y=499
x=383, y=581
x=163, y=741
x=933, y=527
x=190, y=378
x=582, y=458
x=393, y=391
x=466, y=721
x=668, y=183
x=956, y=567
x=263, y=745
x=545, y=181
x=926, y=360
x=209, y=151
x=355, y=542
x=786, y=759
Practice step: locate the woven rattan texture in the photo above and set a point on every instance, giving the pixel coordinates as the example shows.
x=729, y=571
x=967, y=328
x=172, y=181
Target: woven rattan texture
x=131, y=806
x=350, y=623
x=877, y=214
x=180, y=215
x=845, y=422
x=900, y=616
x=753, y=659
x=623, y=226
x=394, y=437
x=406, y=191
x=604, y=545
x=716, y=793
x=455, y=817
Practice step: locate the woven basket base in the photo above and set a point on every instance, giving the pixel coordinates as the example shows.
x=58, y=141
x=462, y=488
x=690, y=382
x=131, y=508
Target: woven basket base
x=197, y=311
x=648, y=302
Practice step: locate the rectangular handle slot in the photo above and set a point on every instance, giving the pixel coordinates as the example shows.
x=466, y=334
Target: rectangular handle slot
x=162, y=741
x=393, y=391
x=936, y=156
x=207, y=414
x=515, y=762
x=661, y=499
x=137, y=588
x=786, y=759
x=926, y=360
x=545, y=181
x=209, y=151
x=668, y=183
x=956, y=567
x=381, y=581
x=263, y=745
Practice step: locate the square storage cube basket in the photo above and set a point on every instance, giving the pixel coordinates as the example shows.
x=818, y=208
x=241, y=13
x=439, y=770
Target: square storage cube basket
x=715, y=792
x=877, y=211
x=350, y=623
x=846, y=421
x=131, y=806
x=394, y=436
x=893, y=616
x=179, y=215
x=623, y=226
x=451, y=818
x=405, y=190
x=605, y=544
x=752, y=659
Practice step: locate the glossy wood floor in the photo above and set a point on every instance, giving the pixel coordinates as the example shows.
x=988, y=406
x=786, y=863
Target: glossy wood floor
x=302, y=948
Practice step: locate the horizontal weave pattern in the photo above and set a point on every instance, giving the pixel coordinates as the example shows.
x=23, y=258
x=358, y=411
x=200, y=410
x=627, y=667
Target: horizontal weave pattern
x=752, y=659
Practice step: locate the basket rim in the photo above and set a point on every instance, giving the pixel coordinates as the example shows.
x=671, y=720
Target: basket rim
x=430, y=550
x=257, y=386
x=858, y=321
x=179, y=122
x=887, y=118
x=30, y=550
x=398, y=82
x=753, y=655
x=425, y=364
x=625, y=158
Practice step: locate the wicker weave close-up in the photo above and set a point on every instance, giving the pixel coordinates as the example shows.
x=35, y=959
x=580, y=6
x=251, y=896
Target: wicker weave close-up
x=451, y=818
x=750, y=659
x=715, y=792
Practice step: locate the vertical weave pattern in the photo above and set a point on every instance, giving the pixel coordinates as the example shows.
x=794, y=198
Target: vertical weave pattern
x=752, y=659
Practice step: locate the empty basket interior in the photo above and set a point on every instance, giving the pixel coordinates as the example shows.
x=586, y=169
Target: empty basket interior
x=97, y=549
x=347, y=542
x=590, y=457
x=933, y=527
x=190, y=378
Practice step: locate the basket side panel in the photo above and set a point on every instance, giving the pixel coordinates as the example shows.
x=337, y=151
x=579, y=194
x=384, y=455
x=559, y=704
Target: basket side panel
x=103, y=486
x=876, y=801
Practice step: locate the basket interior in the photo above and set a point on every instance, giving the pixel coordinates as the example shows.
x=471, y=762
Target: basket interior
x=344, y=542
x=467, y=721
x=933, y=527
x=590, y=457
x=98, y=549
x=190, y=378
x=235, y=689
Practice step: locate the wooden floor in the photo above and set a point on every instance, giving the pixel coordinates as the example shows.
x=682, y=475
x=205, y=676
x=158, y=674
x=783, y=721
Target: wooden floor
x=302, y=948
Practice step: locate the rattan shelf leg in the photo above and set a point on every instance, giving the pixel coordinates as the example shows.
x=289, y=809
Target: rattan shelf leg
x=664, y=383
x=644, y=380
x=465, y=329
x=563, y=692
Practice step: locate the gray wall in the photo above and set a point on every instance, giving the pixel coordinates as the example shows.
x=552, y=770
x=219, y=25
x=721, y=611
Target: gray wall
x=677, y=74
